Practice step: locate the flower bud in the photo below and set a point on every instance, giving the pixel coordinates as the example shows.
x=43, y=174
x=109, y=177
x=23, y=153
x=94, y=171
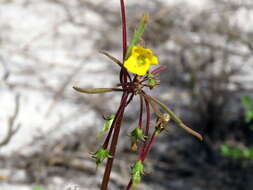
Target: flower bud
x=100, y=155
x=107, y=125
x=137, y=172
x=136, y=135
x=152, y=81
x=134, y=146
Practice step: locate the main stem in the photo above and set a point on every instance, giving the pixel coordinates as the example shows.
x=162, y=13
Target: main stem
x=123, y=72
x=124, y=32
x=117, y=125
x=114, y=143
x=129, y=185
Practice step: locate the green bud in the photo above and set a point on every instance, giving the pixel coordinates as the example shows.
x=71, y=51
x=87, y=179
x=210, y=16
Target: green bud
x=151, y=80
x=134, y=146
x=136, y=179
x=137, y=172
x=100, y=155
x=137, y=134
x=107, y=125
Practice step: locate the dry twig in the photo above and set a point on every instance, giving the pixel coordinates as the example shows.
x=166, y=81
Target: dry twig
x=12, y=128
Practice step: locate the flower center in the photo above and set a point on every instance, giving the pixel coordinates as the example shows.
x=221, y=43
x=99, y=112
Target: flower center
x=141, y=61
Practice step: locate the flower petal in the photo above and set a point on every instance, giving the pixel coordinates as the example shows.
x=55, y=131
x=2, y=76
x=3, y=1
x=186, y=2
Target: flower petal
x=154, y=60
x=136, y=50
x=132, y=64
x=140, y=60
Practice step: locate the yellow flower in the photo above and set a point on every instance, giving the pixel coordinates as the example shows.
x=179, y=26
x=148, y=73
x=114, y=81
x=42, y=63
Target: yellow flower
x=140, y=60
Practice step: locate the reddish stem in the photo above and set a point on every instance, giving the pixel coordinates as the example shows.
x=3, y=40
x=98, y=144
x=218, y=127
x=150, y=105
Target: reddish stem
x=146, y=130
x=129, y=185
x=123, y=75
x=143, y=154
x=159, y=69
x=117, y=123
x=149, y=146
x=147, y=85
x=148, y=117
x=124, y=33
x=141, y=112
x=116, y=119
x=130, y=99
x=114, y=143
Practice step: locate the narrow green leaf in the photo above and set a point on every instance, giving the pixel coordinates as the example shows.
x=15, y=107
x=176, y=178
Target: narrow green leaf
x=115, y=60
x=138, y=34
x=174, y=117
x=96, y=90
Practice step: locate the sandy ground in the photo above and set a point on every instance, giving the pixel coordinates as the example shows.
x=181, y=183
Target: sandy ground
x=42, y=50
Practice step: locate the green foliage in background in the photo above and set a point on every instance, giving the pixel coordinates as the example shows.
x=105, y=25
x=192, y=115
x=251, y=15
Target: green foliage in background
x=235, y=152
x=37, y=188
x=248, y=104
